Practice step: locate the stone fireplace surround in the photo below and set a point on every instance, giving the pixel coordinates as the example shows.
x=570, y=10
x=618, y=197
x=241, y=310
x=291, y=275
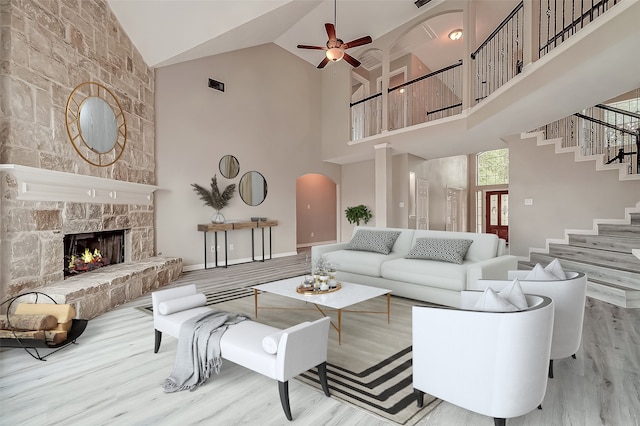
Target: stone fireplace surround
x=40, y=206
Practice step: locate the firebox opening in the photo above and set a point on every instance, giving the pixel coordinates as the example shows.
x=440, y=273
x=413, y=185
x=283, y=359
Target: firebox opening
x=92, y=250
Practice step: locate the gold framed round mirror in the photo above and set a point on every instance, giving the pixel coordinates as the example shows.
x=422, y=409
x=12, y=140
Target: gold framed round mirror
x=96, y=125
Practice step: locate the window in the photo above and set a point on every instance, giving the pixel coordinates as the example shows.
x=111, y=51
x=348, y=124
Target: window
x=493, y=167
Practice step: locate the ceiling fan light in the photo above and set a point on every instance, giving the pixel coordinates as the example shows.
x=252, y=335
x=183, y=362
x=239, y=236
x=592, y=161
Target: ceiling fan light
x=455, y=35
x=335, y=54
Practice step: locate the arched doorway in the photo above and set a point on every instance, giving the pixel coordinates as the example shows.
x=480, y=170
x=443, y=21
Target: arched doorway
x=316, y=210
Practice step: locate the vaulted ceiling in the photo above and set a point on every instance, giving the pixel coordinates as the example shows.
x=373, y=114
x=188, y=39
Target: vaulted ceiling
x=172, y=31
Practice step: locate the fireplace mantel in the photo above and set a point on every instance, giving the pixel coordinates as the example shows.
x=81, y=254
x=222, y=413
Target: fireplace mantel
x=36, y=184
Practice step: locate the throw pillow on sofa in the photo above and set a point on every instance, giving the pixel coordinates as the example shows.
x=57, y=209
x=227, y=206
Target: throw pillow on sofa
x=374, y=241
x=444, y=249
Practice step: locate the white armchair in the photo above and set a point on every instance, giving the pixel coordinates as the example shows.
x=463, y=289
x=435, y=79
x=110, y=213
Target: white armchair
x=568, y=297
x=492, y=363
x=272, y=352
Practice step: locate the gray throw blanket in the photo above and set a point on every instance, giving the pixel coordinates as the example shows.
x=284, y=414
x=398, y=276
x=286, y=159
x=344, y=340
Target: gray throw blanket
x=198, y=353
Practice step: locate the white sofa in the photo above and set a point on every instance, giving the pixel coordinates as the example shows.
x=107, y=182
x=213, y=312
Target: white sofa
x=427, y=280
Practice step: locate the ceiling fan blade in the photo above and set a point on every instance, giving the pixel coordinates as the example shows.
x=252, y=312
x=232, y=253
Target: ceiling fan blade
x=324, y=62
x=304, y=46
x=357, y=42
x=353, y=61
x=331, y=31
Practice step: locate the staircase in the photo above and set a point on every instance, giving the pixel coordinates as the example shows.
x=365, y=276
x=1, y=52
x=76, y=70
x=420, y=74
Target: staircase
x=606, y=257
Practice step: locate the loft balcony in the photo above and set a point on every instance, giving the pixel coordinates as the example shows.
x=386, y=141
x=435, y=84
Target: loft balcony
x=470, y=105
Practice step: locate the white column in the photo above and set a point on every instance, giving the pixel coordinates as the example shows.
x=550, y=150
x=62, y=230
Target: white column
x=383, y=175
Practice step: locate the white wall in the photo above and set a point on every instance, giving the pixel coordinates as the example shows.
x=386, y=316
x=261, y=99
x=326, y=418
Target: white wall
x=269, y=117
x=565, y=194
x=357, y=188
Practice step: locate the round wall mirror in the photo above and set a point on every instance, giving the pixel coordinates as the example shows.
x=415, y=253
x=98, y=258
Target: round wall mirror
x=96, y=124
x=253, y=188
x=229, y=166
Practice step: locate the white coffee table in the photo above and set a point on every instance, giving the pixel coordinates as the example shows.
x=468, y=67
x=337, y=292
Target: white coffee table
x=350, y=294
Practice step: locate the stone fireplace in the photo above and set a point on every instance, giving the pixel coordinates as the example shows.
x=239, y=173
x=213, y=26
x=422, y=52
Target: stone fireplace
x=43, y=208
x=47, y=190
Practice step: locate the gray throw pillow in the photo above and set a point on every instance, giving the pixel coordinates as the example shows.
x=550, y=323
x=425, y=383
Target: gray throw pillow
x=375, y=241
x=443, y=249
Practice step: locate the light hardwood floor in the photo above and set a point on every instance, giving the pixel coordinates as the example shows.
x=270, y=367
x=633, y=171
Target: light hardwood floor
x=112, y=377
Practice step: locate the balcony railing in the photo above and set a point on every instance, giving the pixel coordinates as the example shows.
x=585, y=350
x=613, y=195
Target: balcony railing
x=430, y=97
x=601, y=130
x=496, y=61
x=366, y=117
x=560, y=19
x=499, y=58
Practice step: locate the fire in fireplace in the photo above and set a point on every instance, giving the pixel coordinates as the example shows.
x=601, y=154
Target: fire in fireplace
x=89, y=251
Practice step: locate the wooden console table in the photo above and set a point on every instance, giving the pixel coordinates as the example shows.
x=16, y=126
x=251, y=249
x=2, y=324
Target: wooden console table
x=232, y=226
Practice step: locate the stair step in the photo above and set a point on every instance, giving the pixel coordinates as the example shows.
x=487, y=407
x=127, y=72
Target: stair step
x=601, y=274
x=610, y=259
x=614, y=295
x=635, y=219
x=628, y=231
x=604, y=242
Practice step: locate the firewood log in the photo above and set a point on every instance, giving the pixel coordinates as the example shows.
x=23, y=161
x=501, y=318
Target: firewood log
x=28, y=322
x=8, y=334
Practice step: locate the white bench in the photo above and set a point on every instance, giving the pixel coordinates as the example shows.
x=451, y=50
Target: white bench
x=270, y=351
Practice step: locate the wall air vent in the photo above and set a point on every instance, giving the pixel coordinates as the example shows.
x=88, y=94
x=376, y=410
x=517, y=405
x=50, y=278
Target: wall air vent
x=421, y=3
x=218, y=85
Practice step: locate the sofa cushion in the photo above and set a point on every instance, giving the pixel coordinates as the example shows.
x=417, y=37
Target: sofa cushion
x=450, y=250
x=375, y=241
x=358, y=262
x=431, y=273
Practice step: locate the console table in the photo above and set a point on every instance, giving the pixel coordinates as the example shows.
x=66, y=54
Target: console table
x=233, y=226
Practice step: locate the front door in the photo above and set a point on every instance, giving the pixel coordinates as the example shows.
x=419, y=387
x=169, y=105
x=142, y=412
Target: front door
x=498, y=214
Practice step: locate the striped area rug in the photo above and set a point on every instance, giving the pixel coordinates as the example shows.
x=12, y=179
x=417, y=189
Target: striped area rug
x=371, y=369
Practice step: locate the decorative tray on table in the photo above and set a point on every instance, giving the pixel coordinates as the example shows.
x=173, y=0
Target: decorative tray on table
x=309, y=291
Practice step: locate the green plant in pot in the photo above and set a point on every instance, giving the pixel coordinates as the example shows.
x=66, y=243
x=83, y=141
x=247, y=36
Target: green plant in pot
x=358, y=213
x=214, y=198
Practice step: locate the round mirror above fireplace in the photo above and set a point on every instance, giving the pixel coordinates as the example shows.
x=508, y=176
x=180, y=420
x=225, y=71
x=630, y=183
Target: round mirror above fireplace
x=96, y=124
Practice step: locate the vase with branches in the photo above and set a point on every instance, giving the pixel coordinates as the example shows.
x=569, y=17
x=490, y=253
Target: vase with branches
x=214, y=198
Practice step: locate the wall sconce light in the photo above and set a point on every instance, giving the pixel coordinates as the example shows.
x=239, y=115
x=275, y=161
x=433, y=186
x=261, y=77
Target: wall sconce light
x=455, y=35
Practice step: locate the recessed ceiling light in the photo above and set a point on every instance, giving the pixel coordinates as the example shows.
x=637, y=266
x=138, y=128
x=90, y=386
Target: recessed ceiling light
x=455, y=35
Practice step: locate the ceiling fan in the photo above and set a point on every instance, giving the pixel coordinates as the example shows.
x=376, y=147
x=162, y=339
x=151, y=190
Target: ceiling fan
x=335, y=48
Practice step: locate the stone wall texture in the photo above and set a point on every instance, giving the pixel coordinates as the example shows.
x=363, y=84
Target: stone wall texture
x=47, y=48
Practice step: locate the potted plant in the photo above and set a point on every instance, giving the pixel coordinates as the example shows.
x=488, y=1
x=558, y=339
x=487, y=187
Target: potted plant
x=358, y=213
x=214, y=198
